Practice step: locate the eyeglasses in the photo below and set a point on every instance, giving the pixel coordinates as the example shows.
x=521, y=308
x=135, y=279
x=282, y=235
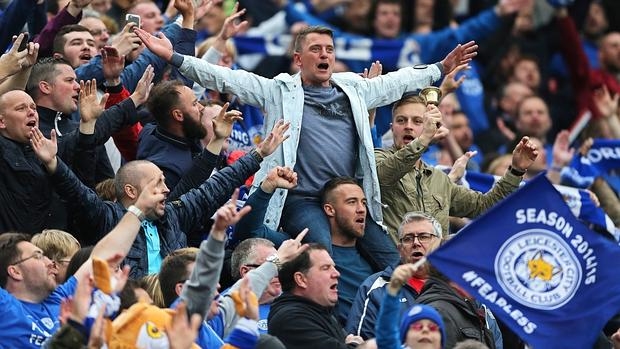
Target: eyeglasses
x=96, y=32
x=418, y=326
x=422, y=237
x=60, y=262
x=38, y=255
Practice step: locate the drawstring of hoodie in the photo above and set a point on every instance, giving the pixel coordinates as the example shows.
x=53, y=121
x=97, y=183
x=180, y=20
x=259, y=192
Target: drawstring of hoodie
x=56, y=119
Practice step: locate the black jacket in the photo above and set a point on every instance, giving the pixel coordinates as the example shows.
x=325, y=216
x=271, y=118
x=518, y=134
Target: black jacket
x=302, y=324
x=27, y=201
x=63, y=124
x=181, y=215
x=173, y=155
x=462, y=318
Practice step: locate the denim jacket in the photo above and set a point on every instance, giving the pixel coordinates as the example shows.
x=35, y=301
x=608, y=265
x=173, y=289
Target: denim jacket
x=283, y=98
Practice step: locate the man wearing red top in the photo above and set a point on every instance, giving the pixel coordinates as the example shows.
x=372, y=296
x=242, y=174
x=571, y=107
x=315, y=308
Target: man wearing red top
x=584, y=79
x=418, y=235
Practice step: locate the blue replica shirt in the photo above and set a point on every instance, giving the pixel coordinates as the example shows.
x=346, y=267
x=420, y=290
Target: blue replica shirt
x=263, y=314
x=207, y=336
x=28, y=325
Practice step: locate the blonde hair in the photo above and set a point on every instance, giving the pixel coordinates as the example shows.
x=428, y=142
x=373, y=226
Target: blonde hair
x=231, y=49
x=106, y=190
x=56, y=244
x=150, y=283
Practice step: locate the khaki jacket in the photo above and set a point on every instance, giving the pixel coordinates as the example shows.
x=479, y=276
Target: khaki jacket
x=404, y=188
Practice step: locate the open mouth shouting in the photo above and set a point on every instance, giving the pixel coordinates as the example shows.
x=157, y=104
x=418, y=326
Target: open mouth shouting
x=85, y=57
x=323, y=66
x=408, y=139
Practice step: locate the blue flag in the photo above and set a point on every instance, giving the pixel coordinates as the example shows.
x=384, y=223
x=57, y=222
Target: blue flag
x=605, y=154
x=578, y=200
x=547, y=276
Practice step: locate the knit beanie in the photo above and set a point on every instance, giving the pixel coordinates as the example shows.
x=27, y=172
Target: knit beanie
x=421, y=312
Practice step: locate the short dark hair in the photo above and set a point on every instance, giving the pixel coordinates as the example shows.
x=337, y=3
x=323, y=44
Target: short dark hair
x=407, y=99
x=43, y=70
x=300, y=264
x=334, y=183
x=244, y=253
x=373, y=12
x=79, y=258
x=59, y=39
x=302, y=34
x=163, y=98
x=174, y=270
x=9, y=252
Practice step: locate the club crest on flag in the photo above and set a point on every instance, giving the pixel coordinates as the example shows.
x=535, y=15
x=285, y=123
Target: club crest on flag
x=538, y=269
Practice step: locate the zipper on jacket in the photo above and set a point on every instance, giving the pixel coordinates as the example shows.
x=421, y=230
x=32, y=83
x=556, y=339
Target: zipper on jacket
x=418, y=180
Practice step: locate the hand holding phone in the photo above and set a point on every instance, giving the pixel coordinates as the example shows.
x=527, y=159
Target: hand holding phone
x=129, y=18
x=24, y=44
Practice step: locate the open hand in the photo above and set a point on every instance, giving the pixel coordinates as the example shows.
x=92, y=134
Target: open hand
x=159, y=45
x=182, y=331
x=141, y=94
x=224, y=121
x=232, y=26
x=458, y=168
x=45, y=149
x=90, y=110
x=524, y=154
x=274, y=139
x=462, y=54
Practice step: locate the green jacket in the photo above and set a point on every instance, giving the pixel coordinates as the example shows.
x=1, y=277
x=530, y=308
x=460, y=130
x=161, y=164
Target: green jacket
x=405, y=188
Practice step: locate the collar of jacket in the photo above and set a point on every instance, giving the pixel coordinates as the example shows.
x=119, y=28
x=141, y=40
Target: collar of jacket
x=425, y=169
x=288, y=297
x=168, y=137
x=6, y=142
x=49, y=114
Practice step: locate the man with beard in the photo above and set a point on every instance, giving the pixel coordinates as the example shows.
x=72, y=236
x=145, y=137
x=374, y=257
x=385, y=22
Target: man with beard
x=164, y=229
x=174, y=141
x=419, y=234
x=344, y=204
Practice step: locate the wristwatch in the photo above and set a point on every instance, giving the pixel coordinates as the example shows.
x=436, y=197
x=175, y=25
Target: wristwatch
x=514, y=171
x=138, y=212
x=275, y=260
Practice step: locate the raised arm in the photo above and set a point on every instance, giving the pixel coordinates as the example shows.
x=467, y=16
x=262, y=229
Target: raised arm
x=250, y=88
x=203, y=164
x=199, y=290
x=15, y=66
x=201, y=202
x=71, y=14
x=252, y=224
x=118, y=241
x=391, y=167
x=389, y=313
x=102, y=124
x=260, y=278
x=82, y=200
